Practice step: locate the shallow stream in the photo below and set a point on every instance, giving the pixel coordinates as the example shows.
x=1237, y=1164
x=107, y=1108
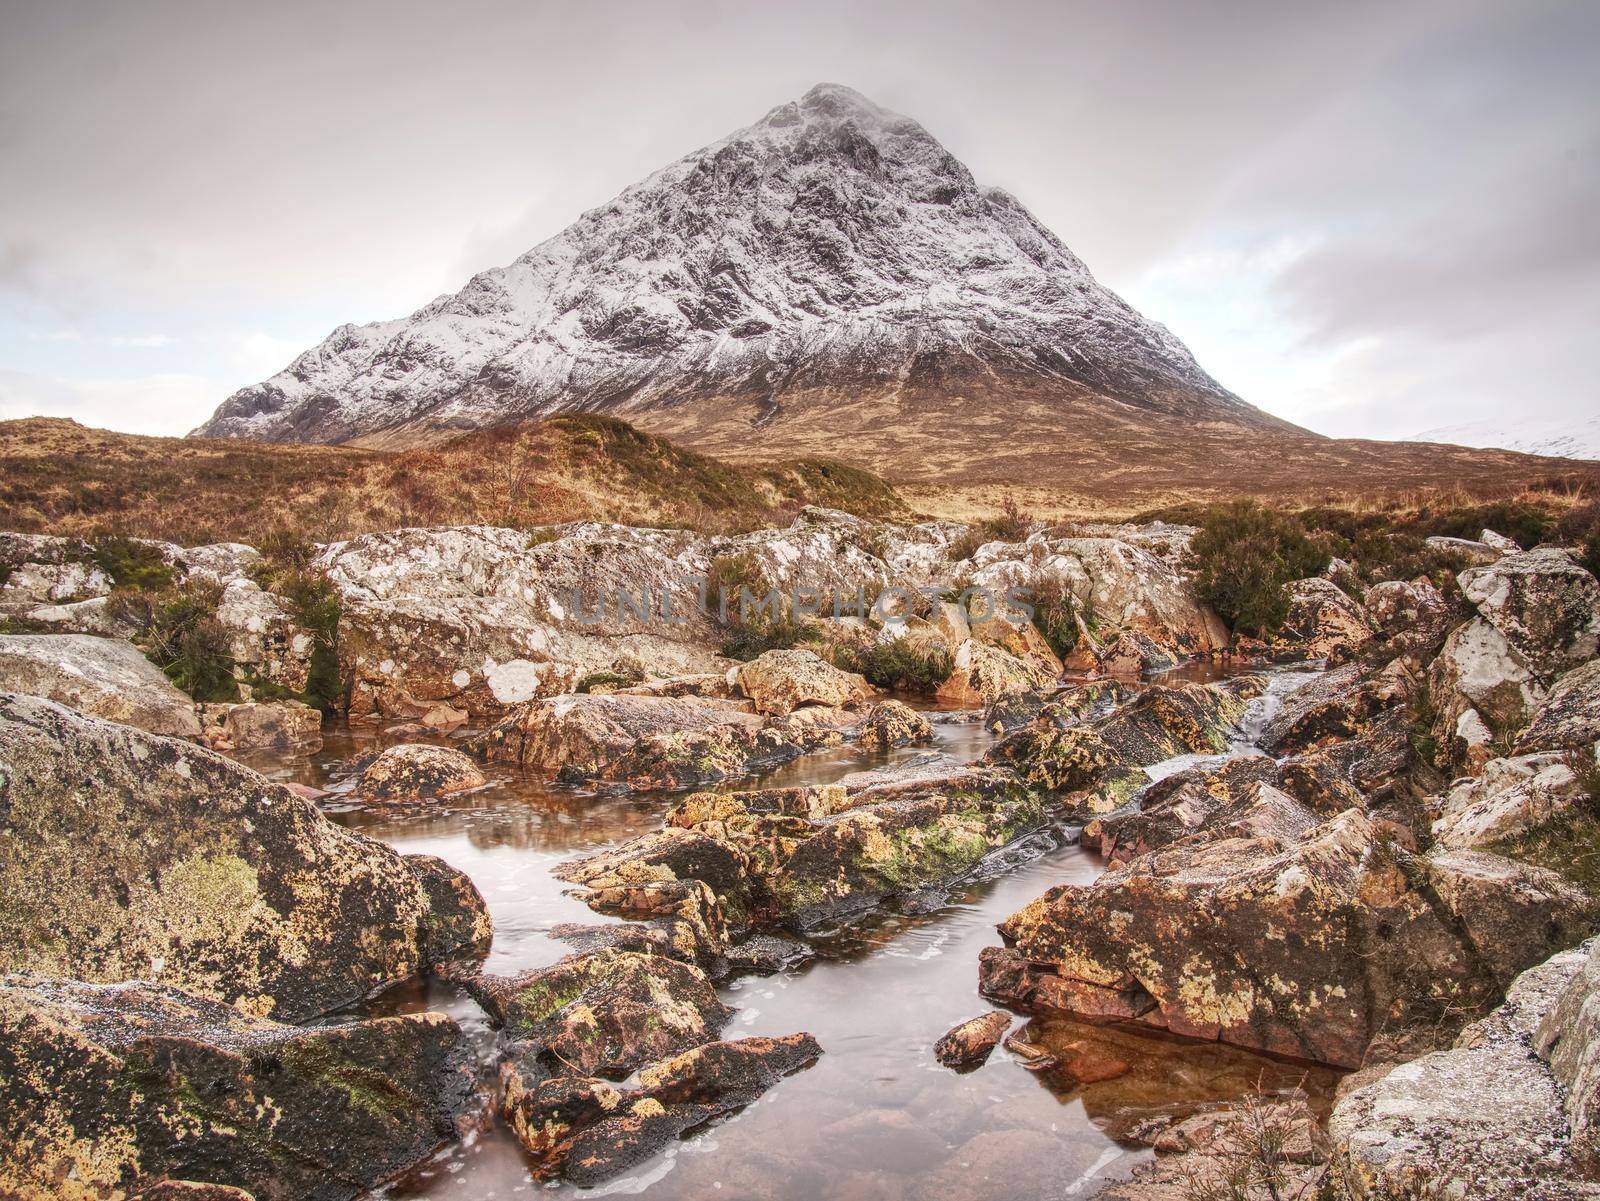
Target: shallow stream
x=877, y=1118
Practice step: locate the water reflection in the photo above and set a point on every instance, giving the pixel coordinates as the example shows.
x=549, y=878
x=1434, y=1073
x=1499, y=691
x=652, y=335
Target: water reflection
x=877, y=1118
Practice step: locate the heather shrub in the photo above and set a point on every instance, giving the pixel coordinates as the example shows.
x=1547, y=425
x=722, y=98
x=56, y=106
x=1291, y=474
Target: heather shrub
x=1243, y=556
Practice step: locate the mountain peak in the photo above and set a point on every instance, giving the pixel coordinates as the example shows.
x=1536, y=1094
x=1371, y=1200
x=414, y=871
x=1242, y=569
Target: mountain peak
x=832, y=256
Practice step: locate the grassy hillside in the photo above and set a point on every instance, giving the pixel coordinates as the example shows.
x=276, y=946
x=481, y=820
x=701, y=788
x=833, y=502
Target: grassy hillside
x=59, y=477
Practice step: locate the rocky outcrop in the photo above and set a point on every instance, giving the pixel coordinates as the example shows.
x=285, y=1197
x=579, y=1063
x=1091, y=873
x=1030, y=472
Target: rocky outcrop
x=1097, y=765
x=588, y=1130
x=653, y=741
x=970, y=1044
x=1569, y=716
x=129, y=856
x=37, y=569
x=1307, y=948
x=779, y=682
x=105, y=677
x=1544, y=605
x=1505, y=1114
x=1479, y=669
x=110, y=1087
x=1119, y=585
x=1323, y=622
x=417, y=772
x=891, y=724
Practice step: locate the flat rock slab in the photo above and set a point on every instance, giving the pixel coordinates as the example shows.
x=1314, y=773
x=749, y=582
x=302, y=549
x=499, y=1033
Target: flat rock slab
x=105, y=677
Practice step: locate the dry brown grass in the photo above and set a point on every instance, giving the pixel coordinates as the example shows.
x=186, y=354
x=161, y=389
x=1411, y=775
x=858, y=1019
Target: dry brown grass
x=58, y=477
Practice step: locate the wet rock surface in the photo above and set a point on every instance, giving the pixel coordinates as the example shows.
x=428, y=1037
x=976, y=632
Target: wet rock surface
x=971, y=1043
x=109, y=1086
x=779, y=682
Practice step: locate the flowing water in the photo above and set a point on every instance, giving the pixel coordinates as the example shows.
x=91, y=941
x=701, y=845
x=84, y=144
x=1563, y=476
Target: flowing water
x=877, y=1118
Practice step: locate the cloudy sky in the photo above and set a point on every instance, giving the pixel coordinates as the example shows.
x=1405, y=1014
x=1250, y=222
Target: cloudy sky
x=1369, y=218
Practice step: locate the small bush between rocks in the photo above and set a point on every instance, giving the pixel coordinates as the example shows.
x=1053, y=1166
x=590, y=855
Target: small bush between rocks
x=1010, y=525
x=1243, y=556
x=1581, y=528
x=1055, y=615
x=131, y=564
x=899, y=664
x=178, y=630
x=288, y=571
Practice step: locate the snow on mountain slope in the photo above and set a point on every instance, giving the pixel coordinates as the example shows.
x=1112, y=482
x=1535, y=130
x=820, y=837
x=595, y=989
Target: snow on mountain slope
x=1574, y=438
x=831, y=255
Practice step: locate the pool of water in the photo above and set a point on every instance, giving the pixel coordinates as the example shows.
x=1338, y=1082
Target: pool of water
x=877, y=1118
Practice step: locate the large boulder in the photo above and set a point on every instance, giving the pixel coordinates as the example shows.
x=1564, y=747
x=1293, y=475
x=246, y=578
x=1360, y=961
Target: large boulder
x=603, y=1013
x=1569, y=716
x=128, y=856
x=1310, y=949
x=1479, y=669
x=779, y=682
x=417, y=772
x=105, y=677
x=891, y=724
x=983, y=673
x=263, y=726
x=1507, y=799
x=1544, y=604
x=1506, y=1114
x=1323, y=622
x=38, y=569
x=110, y=1086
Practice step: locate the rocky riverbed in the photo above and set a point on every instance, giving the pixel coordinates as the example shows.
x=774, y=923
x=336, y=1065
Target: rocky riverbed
x=565, y=898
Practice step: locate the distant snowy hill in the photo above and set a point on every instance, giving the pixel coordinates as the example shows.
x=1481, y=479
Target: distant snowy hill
x=1577, y=438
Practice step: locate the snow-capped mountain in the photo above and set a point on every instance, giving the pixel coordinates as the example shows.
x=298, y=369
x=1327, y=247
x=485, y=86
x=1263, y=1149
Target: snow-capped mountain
x=831, y=260
x=1574, y=438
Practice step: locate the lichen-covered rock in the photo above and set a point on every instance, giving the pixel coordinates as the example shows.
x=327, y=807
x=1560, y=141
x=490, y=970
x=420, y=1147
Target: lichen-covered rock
x=128, y=856
x=261, y=726
x=893, y=723
x=1569, y=716
x=1568, y=1039
x=779, y=682
x=457, y=925
x=982, y=674
x=1487, y=1119
x=1544, y=604
x=1509, y=798
x=1179, y=805
x=105, y=677
x=1396, y=608
x=970, y=1044
x=1124, y=582
x=1336, y=704
x=653, y=741
x=1307, y=950
x=1019, y=639
x=1479, y=669
x=587, y=1130
x=110, y=1086
x=417, y=772
x=604, y=1013
x=1098, y=765
x=1323, y=622
x=43, y=570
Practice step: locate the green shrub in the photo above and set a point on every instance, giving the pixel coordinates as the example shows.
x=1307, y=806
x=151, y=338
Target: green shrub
x=1243, y=555
x=728, y=578
x=131, y=564
x=288, y=571
x=899, y=663
x=1055, y=615
x=178, y=630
